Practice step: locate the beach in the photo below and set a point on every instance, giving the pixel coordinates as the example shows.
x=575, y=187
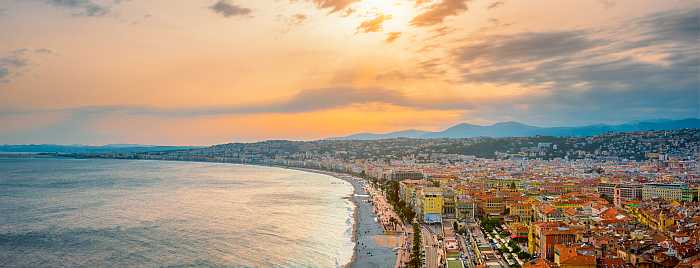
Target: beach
x=373, y=248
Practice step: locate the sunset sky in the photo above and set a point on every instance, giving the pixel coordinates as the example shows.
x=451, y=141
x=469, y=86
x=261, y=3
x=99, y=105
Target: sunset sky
x=200, y=72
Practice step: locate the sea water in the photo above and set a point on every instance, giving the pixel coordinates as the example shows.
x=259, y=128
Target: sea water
x=119, y=213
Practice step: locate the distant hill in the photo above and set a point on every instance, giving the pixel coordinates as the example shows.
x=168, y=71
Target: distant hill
x=515, y=129
x=113, y=148
x=391, y=135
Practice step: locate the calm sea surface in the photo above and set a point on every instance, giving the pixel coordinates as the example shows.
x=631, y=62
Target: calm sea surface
x=117, y=213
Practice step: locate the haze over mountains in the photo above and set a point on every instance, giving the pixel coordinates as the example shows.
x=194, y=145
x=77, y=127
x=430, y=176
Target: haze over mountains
x=515, y=129
x=464, y=130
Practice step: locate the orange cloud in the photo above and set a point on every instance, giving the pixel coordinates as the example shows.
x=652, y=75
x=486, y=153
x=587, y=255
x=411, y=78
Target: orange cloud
x=437, y=13
x=333, y=5
x=393, y=36
x=373, y=25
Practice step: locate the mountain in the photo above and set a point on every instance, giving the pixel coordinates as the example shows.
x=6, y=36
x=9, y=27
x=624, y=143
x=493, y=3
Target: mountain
x=515, y=129
x=505, y=129
x=392, y=135
x=112, y=148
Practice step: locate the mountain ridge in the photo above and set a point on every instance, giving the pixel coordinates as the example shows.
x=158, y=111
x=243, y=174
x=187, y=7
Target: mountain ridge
x=517, y=129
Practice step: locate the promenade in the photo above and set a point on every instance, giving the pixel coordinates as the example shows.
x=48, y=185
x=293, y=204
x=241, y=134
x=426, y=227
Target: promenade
x=372, y=247
x=392, y=224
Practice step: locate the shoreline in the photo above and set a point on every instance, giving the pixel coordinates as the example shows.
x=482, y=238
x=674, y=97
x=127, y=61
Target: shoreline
x=366, y=252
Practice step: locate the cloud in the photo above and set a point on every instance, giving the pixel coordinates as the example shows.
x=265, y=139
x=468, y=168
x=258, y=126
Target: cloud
x=228, y=9
x=643, y=67
x=496, y=4
x=676, y=26
x=88, y=8
x=293, y=21
x=392, y=36
x=437, y=13
x=373, y=25
x=332, y=5
x=524, y=47
x=15, y=62
x=309, y=100
x=298, y=19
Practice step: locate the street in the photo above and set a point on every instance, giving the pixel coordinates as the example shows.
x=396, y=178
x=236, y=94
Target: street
x=431, y=248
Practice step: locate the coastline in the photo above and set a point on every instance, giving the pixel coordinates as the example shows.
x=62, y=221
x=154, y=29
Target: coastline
x=367, y=252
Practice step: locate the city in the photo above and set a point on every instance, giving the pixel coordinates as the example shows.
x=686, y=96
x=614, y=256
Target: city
x=611, y=200
x=350, y=133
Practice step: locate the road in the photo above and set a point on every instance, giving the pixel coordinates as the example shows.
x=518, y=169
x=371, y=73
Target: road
x=467, y=251
x=431, y=248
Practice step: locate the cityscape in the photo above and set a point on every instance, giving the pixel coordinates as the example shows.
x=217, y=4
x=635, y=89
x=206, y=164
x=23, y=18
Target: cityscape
x=350, y=133
x=626, y=199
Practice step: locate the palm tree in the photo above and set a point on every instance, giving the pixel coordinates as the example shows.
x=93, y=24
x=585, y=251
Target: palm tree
x=393, y=222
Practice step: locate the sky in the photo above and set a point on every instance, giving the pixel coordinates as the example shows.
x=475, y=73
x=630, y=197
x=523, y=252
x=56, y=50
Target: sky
x=201, y=72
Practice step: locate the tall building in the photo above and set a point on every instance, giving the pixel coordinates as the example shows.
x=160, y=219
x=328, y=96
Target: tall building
x=430, y=204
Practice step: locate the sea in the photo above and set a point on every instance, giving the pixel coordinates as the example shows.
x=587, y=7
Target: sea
x=122, y=213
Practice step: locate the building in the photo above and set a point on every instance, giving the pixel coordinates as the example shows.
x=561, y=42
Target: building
x=621, y=192
x=448, y=203
x=430, y=204
x=667, y=191
x=607, y=189
x=503, y=183
x=570, y=256
x=399, y=175
x=407, y=190
x=491, y=205
x=627, y=192
x=543, y=236
x=465, y=208
x=520, y=211
x=548, y=213
x=655, y=218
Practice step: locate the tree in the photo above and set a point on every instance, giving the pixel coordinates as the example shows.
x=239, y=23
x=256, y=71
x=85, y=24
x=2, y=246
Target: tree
x=516, y=249
x=504, y=249
x=489, y=224
x=524, y=256
x=417, y=250
x=393, y=222
x=512, y=243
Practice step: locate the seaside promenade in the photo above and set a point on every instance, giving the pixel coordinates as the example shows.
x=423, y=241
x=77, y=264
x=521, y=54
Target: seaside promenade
x=372, y=248
x=392, y=224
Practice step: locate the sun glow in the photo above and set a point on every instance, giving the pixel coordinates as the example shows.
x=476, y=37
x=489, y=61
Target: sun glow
x=401, y=12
